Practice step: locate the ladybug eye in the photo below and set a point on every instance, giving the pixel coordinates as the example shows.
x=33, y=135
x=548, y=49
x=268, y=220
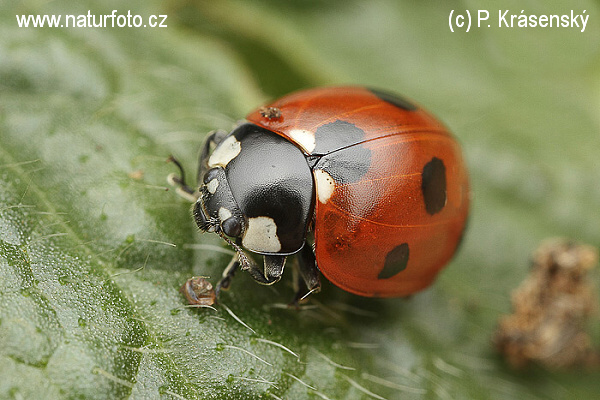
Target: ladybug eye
x=232, y=227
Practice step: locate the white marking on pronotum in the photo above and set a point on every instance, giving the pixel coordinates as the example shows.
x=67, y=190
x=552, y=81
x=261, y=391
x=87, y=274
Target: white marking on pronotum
x=212, y=186
x=261, y=235
x=226, y=151
x=325, y=185
x=224, y=214
x=305, y=138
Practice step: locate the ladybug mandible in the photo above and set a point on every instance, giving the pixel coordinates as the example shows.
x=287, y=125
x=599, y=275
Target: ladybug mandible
x=357, y=183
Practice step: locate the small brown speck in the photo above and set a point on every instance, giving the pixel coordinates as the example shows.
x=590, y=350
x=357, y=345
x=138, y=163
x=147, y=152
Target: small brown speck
x=270, y=112
x=137, y=175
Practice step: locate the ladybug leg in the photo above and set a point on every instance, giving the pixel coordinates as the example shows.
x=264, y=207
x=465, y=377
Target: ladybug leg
x=181, y=188
x=212, y=139
x=272, y=271
x=273, y=264
x=308, y=281
x=228, y=275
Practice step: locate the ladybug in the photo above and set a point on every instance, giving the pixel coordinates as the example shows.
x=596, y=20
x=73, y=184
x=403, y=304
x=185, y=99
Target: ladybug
x=359, y=184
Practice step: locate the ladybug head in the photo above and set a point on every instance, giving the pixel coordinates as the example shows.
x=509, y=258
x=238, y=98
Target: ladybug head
x=216, y=210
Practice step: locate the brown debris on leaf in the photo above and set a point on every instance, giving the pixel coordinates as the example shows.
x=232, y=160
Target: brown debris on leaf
x=551, y=309
x=198, y=291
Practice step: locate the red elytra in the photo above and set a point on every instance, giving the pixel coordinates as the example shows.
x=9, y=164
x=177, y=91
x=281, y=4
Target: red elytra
x=392, y=186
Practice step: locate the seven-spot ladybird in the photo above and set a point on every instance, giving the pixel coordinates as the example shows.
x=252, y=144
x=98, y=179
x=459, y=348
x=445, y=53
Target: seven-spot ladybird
x=360, y=184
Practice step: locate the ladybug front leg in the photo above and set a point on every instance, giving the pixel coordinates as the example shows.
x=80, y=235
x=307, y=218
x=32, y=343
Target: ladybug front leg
x=308, y=281
x=181, y=188
x=272, y=271
x=227, y=276
x=269, y=274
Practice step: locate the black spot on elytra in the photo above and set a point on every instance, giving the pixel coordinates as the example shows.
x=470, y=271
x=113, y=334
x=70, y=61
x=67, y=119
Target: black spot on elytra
x=394, y=99
x=395, y=262
x=433, y=185
x=346, y=165
x=336, y=135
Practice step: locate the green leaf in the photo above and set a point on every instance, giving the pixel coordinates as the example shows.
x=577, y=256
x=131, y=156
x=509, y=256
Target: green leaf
x=94, y=248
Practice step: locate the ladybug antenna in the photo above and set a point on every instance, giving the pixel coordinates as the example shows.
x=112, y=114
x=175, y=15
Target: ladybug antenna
x=245, y=263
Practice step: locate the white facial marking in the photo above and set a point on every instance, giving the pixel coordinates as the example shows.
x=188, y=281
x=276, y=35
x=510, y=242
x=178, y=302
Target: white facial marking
x=212, y=186
x=325, y=185
x=261, y=235
x=226, y=151
x=305, y=138
x=224, y=214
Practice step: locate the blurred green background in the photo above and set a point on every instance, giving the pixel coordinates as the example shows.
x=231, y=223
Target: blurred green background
x=93, y=248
